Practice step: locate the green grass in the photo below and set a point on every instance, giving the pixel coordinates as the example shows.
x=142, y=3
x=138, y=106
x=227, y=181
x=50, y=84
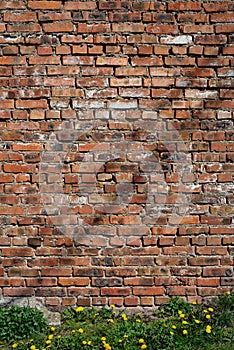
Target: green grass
x=175, y=326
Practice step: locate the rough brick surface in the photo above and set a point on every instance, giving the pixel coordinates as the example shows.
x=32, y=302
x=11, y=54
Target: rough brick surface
x=116, y=127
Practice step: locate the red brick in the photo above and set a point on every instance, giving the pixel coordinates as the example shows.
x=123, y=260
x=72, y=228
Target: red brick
x=80, y=5
x=10, y=60
x=31, y=104
x=24, y=28
x=12, y=4
x=224, y=28
x=145, y=291
x=184, y=6
x=58, y=27
x=117, y=291
x=20, y=17
x=114, y=5
x=218, y=7
x=45, y=5
x=112, y=61
x=162, y=29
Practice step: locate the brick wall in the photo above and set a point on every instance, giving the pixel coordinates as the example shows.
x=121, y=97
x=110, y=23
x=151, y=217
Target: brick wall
x=116, y=126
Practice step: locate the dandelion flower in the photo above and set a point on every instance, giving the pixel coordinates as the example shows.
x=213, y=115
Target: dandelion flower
x=15, y=345
x=208, y=329
x=84, y=342
x=50, y=336
x=173, y=326
x=205, y=311
x=184, y=322
x=89, y=342
x=180, y=312
x=110, y=320
x=124, y=317
x=138, y=320
x=172, y=333
x=182, y=315
x=73, y=331
x=208, y=317
x=47, y=342
x=125, y=336
x=103, y=338
x=112, y=306
x=185, y=332
x=80, y=330
x=120, y=340
x=194, y=303
x=196, y=321
x=211, y=309
x=144, y=346
x=79, y=309
x=52, y=329
x=228, y=292
x=141, y=341
x=33, y=347
x=59, y=336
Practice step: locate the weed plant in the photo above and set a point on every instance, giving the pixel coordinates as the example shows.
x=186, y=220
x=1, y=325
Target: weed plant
x=175, y=326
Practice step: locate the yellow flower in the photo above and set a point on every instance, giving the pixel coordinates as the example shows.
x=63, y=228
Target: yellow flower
x=47, y=342
x=173, y=326
x=185, y=332
x=205, y=311
x=110, y=320
x=194, y=302
x=144, y=346
x=50, y=336
x=33, y=347
x=120, y=340
x=103, y=338
x=182, y=315
x=180, y=312
x=80, y=330
x=141, y=341
x=73, y=331
x=228, y=292
x=52, y=329
x=59, y=336
x=208, y=329
x=89, y=342
x=79, y=309
x=124, y=317
x=208, y=317
x=211, y=309
x=14, y=345
x=125, y=336
x=138, y=320
x=197, y=321
x=112, y=305
x=84, y=342
x=171, y=333
x=184, y=322
x=138, y=314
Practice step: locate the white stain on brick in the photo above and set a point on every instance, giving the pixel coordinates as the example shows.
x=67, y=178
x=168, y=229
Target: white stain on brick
x=177, y=40
x=122, y=105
